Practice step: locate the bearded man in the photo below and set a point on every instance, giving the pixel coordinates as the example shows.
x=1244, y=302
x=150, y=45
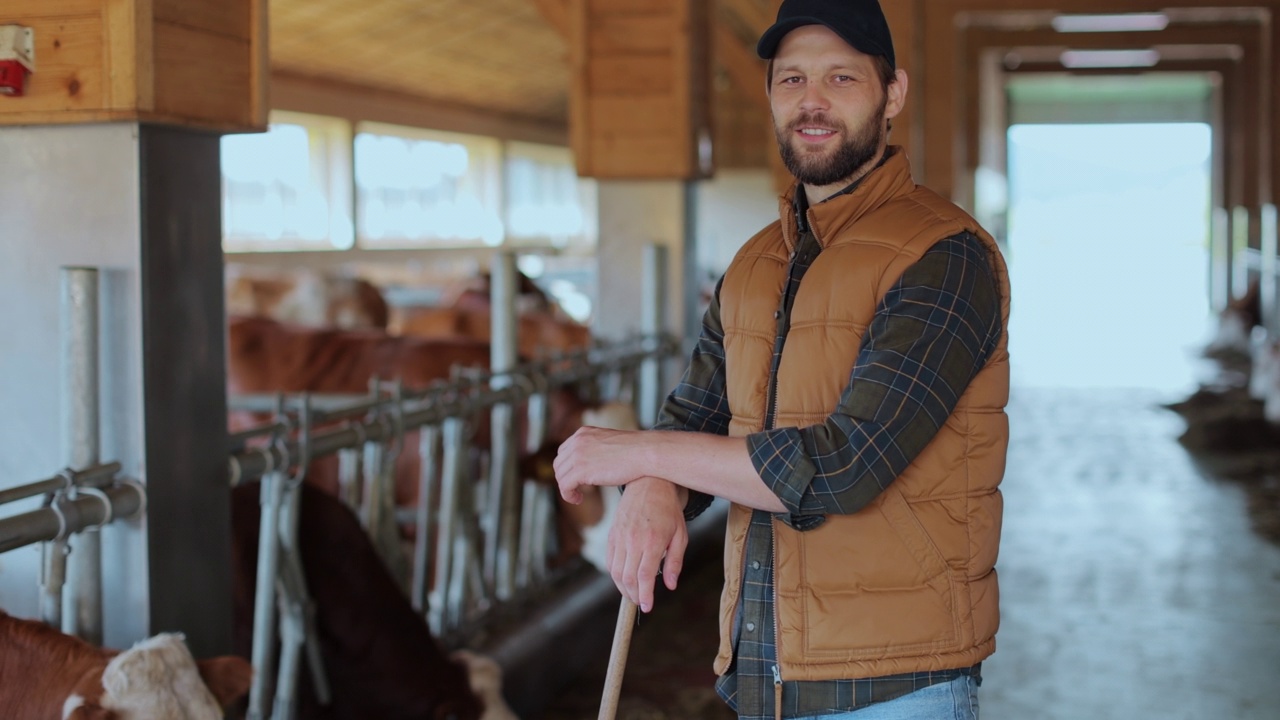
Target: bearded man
x=847, y=396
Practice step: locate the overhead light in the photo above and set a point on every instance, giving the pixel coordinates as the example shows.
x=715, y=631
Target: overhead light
x=1079, y=59
x=1126, y=22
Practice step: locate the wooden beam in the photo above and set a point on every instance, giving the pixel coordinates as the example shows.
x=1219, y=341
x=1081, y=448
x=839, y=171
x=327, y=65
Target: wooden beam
x=556, y=13
x=640, y=102
x=938, y=43
x=175, y=62
x=323, y=96
x=751, y=15
x=1247, y=37
x=745, y=70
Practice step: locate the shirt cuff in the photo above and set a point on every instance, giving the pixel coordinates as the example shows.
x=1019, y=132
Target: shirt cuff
x=697, y=504
x=782, y=463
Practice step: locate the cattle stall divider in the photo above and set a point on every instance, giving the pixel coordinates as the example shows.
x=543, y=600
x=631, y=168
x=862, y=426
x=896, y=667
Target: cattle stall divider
x=1250, y=265
x=465, y=588
x=86, y=495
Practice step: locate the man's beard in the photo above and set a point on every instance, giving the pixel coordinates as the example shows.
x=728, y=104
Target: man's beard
x=855, y=151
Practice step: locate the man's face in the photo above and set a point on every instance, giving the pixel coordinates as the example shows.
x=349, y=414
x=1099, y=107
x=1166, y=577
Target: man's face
x=829, y=107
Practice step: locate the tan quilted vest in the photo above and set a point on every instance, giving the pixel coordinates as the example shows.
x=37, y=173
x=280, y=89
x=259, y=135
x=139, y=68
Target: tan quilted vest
x=908, y=583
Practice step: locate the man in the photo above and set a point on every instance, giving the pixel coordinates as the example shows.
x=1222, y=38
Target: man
x=847, y=396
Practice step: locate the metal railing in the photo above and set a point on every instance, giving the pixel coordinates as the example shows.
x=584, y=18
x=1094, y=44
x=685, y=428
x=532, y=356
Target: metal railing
x=84, y=497
x=475, y=551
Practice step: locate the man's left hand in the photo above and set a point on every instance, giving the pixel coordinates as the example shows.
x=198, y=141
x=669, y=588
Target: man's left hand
x=596, y=456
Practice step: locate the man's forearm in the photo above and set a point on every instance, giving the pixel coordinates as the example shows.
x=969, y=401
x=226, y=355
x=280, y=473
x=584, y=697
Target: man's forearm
x=712, y=464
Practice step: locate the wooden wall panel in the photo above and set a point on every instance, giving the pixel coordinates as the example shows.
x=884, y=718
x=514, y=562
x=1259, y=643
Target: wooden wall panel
x=197, y=63
x=68, y=56
x=905, y=19
x=201, y=75
x=231, y=18
x=631, y=74
x=640, y=93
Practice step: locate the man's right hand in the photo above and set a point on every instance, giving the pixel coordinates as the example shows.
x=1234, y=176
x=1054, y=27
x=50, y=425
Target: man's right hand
x=649, y=525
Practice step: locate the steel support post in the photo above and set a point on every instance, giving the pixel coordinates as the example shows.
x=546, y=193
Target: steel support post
x=502, y=514
x=652, y=319
x=79, y=312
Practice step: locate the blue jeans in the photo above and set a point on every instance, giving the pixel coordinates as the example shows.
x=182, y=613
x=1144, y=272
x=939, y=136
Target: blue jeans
x=956, y=700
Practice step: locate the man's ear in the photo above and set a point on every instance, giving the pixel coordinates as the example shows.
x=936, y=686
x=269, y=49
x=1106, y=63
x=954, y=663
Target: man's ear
x=897, y=91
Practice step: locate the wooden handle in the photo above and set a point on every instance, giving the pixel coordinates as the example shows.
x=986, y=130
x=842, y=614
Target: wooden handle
x=617, y=660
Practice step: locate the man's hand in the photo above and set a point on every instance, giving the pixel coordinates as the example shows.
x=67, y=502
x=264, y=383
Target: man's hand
x=596, y=456
x=648, y=525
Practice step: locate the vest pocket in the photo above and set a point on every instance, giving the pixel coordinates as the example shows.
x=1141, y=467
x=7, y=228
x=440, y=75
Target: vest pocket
x=896, y=599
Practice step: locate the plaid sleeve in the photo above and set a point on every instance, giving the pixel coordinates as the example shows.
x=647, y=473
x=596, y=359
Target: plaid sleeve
x=931, y=334
x=700, y=403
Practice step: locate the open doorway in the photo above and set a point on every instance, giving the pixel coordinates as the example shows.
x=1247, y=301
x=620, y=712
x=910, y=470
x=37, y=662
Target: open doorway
x=1108, y=248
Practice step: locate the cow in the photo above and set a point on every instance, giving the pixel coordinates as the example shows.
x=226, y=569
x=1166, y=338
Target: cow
x=380, y=658
x=542, y=327
x=305, y=297
x=538, y=333
x=47, y=675
x=265, y=356
x=1231, y=335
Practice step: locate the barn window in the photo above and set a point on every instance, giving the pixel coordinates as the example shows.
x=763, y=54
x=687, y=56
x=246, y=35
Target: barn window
x=547, y=203
x=288, y=188
x=424, y=187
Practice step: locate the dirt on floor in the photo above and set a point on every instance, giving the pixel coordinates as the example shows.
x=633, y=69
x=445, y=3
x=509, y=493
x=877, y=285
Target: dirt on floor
x=668, y=673
x=1231, y=440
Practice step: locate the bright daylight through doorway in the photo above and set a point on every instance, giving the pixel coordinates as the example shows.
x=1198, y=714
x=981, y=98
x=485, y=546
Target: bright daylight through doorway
x=1108, y=254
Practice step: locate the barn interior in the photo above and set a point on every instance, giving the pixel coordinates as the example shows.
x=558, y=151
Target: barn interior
x=158, y=157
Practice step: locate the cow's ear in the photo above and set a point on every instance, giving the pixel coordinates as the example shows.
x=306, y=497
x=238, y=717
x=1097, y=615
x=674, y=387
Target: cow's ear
x=228, y=678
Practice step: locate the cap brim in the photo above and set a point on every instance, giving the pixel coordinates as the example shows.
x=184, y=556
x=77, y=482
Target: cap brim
x=772, y=38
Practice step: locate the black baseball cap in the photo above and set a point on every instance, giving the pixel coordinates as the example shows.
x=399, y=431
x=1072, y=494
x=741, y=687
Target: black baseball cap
x=860, y=23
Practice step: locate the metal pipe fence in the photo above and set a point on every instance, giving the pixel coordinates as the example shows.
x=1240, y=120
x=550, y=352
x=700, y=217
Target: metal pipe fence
x=88, y=494
x=481, y=541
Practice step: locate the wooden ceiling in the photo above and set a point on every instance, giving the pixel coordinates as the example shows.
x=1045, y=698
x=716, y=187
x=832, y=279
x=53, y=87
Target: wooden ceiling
x=510, y=58
x=500, y=56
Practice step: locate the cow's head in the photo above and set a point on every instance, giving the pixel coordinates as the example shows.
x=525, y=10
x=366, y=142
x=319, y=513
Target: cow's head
x=158, y=678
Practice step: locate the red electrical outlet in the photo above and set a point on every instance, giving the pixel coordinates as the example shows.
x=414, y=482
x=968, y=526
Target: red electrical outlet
x=17, y=58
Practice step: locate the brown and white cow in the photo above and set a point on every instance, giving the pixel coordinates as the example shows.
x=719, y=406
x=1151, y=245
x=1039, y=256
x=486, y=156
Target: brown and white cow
x=380, y=657
x=265, y=356
x=537, y=333
x=305, y=297
x=47, y=675
x=1235, y=324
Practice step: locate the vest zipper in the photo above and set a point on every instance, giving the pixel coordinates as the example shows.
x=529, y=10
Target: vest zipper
x=770, y=419
x=777, y=693
x=777, y=641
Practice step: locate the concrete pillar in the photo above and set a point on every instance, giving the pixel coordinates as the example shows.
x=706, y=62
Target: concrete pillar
x=632, y=214
x=142, y=203
x=124, y=175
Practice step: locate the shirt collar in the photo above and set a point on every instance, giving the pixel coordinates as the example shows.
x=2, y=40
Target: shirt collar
x=801, y=200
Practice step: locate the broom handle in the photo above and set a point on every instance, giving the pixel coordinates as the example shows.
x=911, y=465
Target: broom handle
x=617, y=660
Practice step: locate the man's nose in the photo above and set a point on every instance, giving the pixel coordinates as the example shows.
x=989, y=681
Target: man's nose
x=814, y=98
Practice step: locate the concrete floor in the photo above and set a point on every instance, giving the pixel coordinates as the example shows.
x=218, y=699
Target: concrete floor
x=1131, y=583
x=1132, y=586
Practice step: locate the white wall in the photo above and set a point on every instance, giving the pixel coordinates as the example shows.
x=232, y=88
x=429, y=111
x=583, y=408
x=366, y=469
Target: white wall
x=634, y=213
x=732, y=207
x=70, y=196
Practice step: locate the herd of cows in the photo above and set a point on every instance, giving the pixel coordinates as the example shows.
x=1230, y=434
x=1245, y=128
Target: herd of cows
x=302, y=332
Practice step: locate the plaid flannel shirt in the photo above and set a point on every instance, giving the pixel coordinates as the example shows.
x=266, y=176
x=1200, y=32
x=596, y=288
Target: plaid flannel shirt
x=932, y=332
